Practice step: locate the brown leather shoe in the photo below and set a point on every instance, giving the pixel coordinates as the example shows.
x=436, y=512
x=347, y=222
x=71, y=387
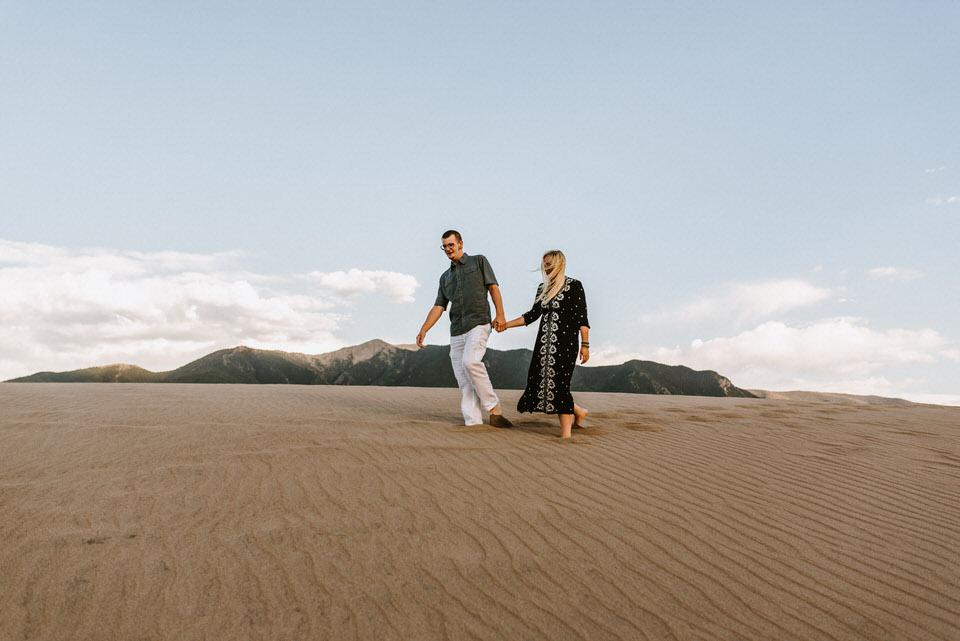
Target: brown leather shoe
x=499, y=420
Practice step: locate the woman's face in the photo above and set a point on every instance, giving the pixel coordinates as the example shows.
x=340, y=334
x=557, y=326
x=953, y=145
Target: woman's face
x=547, y=265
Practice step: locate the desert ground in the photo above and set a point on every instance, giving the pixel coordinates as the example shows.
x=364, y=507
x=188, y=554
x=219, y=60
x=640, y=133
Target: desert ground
x=140, y=512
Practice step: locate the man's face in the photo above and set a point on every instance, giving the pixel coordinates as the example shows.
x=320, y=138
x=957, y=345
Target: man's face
x=452, y=247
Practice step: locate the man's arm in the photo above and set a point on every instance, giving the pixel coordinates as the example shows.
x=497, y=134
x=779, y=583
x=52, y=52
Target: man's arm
x=432, y=317
x=500, y=319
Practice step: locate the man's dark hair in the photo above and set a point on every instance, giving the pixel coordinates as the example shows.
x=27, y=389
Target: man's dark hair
x=452, y=232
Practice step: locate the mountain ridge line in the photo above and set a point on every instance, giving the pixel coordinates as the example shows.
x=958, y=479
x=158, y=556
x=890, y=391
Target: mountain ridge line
x=377, y=362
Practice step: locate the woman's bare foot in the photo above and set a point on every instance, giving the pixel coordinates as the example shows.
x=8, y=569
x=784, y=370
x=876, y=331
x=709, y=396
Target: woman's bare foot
x=580, y=415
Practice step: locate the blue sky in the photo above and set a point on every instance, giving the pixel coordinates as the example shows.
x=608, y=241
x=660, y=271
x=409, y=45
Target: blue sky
x=770, y=190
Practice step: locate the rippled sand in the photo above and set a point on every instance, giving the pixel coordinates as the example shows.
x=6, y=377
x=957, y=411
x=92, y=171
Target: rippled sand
x=136, y=512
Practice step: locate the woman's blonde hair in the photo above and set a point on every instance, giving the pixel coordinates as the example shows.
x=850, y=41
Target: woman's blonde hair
x=554, y=281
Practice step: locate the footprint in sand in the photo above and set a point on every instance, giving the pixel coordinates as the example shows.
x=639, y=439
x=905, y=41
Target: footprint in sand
x=574, y=440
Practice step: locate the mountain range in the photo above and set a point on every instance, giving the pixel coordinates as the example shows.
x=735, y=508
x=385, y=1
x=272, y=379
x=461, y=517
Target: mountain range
x=379, y=363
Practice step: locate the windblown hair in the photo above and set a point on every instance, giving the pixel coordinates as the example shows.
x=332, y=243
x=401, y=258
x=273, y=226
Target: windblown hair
x=452, y=232
x=554, y=281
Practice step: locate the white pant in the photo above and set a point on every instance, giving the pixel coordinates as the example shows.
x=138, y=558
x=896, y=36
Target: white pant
x=466, y=356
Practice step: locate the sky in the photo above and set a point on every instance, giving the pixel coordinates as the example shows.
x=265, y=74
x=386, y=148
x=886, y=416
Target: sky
x=767, y=190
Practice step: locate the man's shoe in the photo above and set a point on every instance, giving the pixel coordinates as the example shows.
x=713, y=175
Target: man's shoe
x=499, y=420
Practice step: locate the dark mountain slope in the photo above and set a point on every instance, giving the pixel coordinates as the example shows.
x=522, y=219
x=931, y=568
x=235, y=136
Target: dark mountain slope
x=379, y=363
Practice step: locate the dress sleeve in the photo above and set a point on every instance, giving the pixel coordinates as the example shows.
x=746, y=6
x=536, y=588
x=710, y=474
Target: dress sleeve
x=535, y=311
x=442, y=299
x=580, y=305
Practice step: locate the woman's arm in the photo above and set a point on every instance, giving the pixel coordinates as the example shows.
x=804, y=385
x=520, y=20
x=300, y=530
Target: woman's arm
x=584, y=323
x=584, y=343
x=516, y=322
x=526, y=318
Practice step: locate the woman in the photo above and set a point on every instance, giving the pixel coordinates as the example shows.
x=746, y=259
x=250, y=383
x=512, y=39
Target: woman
x=561, y=306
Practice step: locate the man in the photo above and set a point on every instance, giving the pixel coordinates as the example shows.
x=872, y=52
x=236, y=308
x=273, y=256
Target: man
x=465, y=286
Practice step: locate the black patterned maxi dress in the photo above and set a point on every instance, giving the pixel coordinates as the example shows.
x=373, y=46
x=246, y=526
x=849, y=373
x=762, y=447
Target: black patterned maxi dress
x=555, y=352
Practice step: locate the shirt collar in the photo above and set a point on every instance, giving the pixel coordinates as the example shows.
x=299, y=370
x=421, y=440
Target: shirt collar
x=461, y=261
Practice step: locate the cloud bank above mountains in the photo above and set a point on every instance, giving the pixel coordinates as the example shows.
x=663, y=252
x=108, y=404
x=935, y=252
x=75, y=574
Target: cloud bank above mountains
x=839, y=354
x=64, y=309
x=842, y=347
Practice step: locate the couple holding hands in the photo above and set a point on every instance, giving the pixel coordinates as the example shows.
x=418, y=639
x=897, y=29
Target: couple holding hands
x=561, y=306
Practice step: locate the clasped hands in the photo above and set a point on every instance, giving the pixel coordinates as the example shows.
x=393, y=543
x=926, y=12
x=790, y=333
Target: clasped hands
x=499, y=323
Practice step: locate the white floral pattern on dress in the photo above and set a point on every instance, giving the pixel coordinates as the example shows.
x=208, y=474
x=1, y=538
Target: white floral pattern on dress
x=548, y=339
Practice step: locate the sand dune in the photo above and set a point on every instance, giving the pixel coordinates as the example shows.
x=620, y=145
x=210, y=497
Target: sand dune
x=829, y=397
x=286, y=512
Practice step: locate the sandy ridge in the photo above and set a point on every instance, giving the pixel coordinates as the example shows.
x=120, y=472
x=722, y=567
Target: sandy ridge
x=280, y=512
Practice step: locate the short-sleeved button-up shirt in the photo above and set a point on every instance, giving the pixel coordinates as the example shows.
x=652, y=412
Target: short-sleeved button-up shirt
x=464, y=285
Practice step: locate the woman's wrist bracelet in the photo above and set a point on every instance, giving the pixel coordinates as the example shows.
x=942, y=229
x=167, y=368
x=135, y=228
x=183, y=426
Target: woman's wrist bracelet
x=585, y=344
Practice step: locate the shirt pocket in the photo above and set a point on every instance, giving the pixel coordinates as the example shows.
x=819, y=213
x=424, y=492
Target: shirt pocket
x=469, y=276
x=450, y=288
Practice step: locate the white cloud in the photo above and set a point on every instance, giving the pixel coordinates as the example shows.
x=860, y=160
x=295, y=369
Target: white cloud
x=63, y=309
x=900, y=273
x=940, y=200
x=825, y=355
x=128, y=262
x=934, y=170
x=394, y=286
x=745, y=302
x=830, y=348
x=952, y=354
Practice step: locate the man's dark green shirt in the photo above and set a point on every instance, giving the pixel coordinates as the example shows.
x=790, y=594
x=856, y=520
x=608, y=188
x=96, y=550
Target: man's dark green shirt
x=465, y=285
